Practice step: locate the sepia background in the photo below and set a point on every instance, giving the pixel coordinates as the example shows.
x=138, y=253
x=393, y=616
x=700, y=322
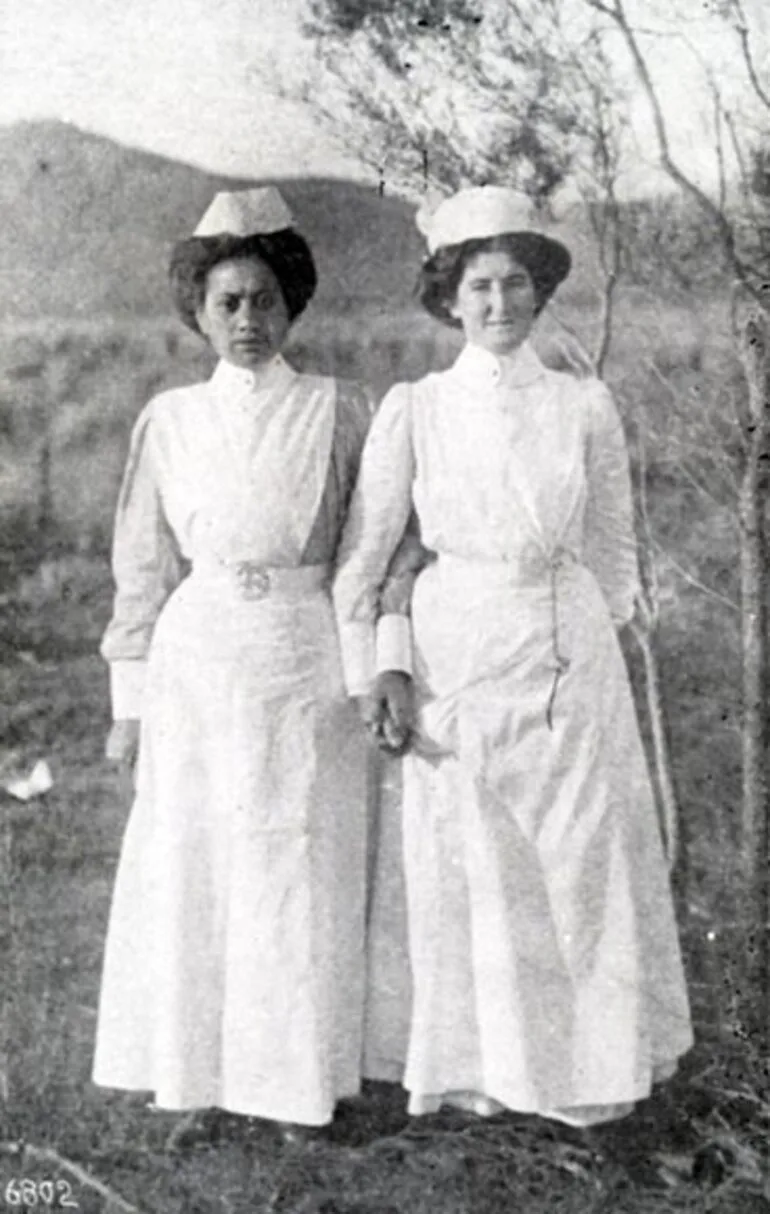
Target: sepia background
x=117, y=124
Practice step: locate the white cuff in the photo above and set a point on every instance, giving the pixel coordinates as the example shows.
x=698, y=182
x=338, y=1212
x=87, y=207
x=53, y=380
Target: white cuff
x=394, y=643
x=357, y=648
x=127, y=689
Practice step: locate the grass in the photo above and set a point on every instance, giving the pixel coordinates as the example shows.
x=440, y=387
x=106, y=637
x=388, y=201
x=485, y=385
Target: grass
x=699, y=1145
x=63, y=851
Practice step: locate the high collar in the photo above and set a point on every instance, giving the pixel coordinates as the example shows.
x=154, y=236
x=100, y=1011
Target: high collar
x=237, y=382
x=520, y=369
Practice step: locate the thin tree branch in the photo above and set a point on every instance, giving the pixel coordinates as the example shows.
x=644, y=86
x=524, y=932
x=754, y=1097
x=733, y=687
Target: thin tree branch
x=694, y=581
x=607, y=314
x=574, y=358
x=718, y=458
x=720, y=145
x=648, y=569
x=580, y=345
x=668, y=811
x=642, y=628
x=617, y=13
x=748, y=55
x=693, y=480
x=739, y=157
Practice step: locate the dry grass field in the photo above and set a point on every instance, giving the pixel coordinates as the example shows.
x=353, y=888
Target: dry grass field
x=68, y=397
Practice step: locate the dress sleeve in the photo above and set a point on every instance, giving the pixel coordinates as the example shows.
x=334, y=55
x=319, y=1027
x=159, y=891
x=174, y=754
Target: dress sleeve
x=147, y=566
x=379, y=510
x=394, y=633
x=609, y=540
x=357, y=409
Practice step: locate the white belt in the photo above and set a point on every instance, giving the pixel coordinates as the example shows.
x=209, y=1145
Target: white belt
x=530, y=570
x=253, y=580
x=525, y=570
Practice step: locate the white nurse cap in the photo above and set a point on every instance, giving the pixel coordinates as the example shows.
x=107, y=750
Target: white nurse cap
x=246, y=213
x=477, y=213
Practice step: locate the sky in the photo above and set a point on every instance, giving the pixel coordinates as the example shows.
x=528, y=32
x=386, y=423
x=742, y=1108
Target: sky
x=197, y=80
x=180, y=77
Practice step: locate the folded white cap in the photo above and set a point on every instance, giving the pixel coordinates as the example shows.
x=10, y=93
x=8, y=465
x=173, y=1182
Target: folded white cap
x=246, y=213
x=477, y=213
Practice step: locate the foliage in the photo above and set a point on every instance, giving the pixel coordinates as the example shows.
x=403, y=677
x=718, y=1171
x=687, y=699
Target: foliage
x=460, y=92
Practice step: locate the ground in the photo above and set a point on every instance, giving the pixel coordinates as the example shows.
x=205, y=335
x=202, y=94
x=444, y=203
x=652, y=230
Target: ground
x=697, y=1146
x=67, y=402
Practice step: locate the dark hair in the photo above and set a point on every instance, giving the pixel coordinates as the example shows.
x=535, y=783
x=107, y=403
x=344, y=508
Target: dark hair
x=286, y=253
x=546, y=261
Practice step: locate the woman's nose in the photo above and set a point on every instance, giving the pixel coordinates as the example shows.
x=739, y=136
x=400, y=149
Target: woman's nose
x=247, y=315
x=497, y=300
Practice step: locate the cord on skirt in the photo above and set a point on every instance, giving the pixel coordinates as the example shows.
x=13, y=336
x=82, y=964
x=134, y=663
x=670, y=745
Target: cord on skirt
x=561, y=661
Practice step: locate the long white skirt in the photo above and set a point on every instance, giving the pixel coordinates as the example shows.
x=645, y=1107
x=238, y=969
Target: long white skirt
x=233, y=973
x=545, y=967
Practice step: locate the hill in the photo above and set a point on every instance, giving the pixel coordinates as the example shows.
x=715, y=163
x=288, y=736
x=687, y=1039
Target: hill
x=87, y=224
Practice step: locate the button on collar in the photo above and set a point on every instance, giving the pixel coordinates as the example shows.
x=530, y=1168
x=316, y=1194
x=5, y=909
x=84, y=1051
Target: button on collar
x=241, y=383
x=517, y=370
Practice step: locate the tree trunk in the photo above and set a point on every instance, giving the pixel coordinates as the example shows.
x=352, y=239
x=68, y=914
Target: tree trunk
x=644, y=627
x=754, y=824
x=755, y=585
x=662, y=774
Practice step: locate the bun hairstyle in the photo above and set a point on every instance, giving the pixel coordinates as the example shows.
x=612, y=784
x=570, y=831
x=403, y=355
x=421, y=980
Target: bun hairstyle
x=442, y=272
x=241, y=224
x=483, y=219
x=286, y=253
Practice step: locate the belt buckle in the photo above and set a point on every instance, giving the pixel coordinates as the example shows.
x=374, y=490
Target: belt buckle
x=253, y=579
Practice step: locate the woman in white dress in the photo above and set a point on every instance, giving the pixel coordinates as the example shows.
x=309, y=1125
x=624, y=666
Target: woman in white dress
x=545, y=964
x=233, y=971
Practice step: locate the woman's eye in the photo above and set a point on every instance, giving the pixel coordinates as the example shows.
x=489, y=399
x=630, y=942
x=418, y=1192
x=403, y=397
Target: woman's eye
x=229, y=303
x=264, y=300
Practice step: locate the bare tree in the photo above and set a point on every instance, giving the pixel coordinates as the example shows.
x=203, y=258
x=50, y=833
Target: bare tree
x=754, y=340
x=744, y=240
x=520, y=91
x=457, y=92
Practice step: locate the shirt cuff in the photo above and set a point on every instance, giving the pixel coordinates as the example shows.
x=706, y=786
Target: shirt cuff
x=357, y=648
x=127, y=689
x=394, y=644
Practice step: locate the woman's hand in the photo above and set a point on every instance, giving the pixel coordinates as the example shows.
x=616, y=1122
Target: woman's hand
x=388, y=712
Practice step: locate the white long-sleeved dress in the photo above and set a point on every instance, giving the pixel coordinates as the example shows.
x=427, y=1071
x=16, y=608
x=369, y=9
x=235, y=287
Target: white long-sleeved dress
x=233, y=970
x=546, y=971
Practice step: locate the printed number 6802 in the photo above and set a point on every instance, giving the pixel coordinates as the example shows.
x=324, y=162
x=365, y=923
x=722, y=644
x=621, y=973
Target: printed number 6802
x=57, y=1194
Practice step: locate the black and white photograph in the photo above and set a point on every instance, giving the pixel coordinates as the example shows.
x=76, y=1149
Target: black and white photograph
x=385, y=606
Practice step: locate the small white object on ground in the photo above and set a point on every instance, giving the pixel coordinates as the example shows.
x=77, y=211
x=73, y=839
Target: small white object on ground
x=24, y=787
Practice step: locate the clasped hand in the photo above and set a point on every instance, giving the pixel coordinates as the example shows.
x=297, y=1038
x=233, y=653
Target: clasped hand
x=388, y=711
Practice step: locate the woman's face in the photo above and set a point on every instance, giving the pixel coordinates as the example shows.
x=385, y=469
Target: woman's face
x=244, y=313
x=495, y=302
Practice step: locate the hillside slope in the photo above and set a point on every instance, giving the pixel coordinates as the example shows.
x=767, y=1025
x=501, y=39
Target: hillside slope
x=87, y=224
